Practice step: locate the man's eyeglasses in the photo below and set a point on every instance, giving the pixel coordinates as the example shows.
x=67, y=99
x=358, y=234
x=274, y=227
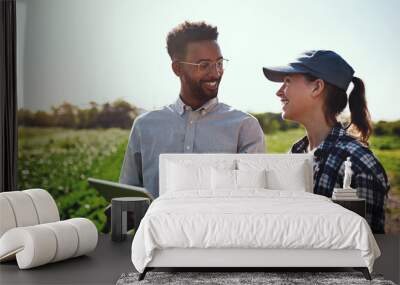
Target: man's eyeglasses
x=207, y=66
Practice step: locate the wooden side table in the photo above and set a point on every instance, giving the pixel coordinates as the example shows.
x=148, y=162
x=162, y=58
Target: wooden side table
x=356, y=205
x=119, y=209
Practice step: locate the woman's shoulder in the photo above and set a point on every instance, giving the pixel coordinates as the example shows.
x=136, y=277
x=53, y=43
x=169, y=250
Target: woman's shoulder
x=360, y=154
x=353, y=146
x=362, y=158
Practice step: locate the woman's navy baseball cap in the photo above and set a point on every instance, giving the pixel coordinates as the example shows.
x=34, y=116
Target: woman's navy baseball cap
x=324, y=64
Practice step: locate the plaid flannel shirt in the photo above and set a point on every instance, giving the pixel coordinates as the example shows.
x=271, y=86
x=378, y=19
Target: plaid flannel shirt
x=369, y=177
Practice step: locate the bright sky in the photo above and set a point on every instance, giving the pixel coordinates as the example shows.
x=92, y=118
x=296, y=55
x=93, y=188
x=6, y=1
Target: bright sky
x=100, y=50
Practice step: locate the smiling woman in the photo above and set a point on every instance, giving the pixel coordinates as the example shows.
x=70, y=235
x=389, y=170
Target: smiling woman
x=313, y=94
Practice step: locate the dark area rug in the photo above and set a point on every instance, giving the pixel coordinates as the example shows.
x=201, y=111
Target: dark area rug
x=242, y=278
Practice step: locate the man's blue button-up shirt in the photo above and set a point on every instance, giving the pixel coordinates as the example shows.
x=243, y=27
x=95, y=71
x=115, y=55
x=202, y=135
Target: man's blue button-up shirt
x=213, y=128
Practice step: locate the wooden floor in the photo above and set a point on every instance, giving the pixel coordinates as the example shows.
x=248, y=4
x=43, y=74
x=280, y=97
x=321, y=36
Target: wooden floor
x=111, y=259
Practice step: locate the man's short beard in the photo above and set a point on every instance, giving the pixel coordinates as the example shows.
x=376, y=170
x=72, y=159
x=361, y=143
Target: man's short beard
x=198, y=91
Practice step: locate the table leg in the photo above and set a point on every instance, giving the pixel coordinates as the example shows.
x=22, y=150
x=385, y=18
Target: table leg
x=138, y=213
x=117, y=222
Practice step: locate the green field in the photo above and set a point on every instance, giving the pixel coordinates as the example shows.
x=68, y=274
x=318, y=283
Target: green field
x=61, y=160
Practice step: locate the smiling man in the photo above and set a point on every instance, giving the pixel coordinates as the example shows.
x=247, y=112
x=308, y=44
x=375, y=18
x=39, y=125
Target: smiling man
x=196, y=122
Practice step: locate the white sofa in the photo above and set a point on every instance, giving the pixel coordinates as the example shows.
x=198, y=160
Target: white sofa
x=31, y=231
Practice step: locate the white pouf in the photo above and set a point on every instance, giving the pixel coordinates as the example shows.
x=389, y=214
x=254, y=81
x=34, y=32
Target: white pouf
x=32, y=233
x=40, y=244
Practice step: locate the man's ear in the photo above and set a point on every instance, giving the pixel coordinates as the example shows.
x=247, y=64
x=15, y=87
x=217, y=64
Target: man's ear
x=176, y=67
x=318, y=88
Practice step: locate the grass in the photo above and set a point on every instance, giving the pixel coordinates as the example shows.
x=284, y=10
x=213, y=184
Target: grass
x=281, y=142
x=61, y=160
x=109, y=168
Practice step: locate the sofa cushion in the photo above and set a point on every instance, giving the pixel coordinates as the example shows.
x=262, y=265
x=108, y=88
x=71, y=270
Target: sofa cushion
x=45, y=205
x=24, y=211
x=7, y=220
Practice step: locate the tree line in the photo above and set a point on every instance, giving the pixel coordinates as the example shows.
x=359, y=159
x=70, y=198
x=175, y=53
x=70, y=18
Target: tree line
x=272, y=122
x=392, y=128
x=118, y=114
x=121, y=114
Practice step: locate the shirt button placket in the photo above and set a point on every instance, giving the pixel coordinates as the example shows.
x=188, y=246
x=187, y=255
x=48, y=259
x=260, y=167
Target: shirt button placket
x=189, y=135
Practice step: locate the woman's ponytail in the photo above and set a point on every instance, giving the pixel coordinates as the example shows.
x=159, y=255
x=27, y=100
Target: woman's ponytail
x=336, y=100
x=360, y=117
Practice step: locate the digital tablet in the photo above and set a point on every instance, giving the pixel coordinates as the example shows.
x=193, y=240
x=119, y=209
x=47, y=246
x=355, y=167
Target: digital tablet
x=109, y=189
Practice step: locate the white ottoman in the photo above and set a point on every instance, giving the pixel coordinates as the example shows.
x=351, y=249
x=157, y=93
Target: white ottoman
x=31, y=231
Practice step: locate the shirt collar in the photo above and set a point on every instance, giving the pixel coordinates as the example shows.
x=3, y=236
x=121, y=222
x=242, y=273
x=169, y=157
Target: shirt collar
x=180, y=107
x=335, y=134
